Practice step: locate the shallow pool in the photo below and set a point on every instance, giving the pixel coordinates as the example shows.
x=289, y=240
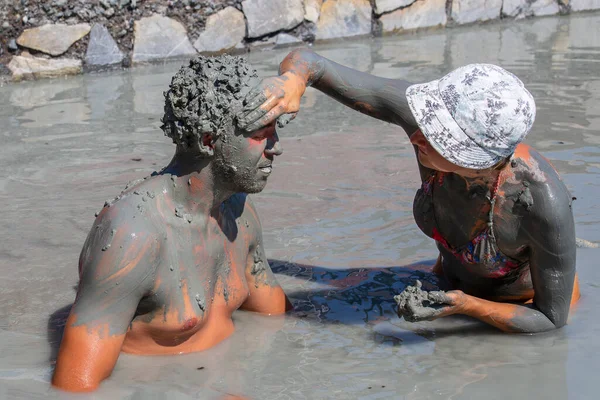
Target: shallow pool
x=338, y=227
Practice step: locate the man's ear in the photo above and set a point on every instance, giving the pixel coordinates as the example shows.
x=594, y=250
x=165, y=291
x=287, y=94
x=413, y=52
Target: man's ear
x=207, y=141
x=207, y=144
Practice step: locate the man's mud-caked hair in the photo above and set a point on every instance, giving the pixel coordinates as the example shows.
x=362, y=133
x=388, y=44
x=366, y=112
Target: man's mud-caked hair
x=205, y=97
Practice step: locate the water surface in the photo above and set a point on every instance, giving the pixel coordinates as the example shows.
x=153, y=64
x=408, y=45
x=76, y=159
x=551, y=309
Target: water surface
x=338, y=227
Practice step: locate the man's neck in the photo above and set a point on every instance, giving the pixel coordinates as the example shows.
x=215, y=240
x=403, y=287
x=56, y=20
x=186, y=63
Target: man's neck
x=194, y=185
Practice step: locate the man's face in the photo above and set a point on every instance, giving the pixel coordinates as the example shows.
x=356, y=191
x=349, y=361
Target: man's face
x=244, y=161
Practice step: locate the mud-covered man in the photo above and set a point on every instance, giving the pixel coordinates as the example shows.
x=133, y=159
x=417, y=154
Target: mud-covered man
x=169, y=260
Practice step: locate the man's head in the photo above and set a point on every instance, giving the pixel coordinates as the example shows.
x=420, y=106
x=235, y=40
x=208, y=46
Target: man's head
x=204, y=98
x=201, y=109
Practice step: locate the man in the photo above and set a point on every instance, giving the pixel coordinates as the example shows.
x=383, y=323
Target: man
x=169, y=260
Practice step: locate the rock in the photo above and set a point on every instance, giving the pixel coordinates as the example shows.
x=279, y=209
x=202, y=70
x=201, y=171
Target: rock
x=159, y=37
x=382, y=6
x=421, y=14
x=109, y=12
x=528, y=8
x=285, y=39
x=582, y=243
x=224, y=30
x=12, y=45
x=264, y=44
x=312, y=10
x=53, y=39
x=582, y=5
x=544, y=7
x=28, y=67
x=343, y=18
x=102, y=48
x=467, y=11
x=267, y=16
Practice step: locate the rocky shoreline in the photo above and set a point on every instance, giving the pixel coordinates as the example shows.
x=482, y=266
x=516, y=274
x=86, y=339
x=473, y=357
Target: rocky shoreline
x=47, y=38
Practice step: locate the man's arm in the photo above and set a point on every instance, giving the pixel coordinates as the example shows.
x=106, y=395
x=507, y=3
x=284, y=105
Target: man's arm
x=265, y=294
x=381, y=98
x=116, y=271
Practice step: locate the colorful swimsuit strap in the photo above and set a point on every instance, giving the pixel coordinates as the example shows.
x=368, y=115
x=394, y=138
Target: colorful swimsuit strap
x=490, y=221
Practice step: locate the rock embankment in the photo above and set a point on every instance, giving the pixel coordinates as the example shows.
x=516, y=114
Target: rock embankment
x=44, y=38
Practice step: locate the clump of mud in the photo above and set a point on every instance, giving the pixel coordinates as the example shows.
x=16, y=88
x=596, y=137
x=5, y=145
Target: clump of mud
x=205, y=97
x=586, y=244
x=413, y=297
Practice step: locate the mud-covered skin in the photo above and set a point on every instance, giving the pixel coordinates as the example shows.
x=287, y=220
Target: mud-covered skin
x=175, y=271
x=532, y=218
x=416, y=304
x=169, y=260
x=179, y=270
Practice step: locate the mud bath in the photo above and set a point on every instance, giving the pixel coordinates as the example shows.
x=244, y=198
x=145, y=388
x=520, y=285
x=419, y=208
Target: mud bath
x=337, y=225
x=414, y=297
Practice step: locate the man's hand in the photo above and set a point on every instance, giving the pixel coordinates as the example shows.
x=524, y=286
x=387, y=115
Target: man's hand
x=417, y=305
x=272, y=98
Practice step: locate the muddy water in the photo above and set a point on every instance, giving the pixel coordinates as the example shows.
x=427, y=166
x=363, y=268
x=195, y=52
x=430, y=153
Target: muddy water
x=337, y=222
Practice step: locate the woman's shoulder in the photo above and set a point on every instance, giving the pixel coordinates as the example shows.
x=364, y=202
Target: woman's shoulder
x=533, y=183
x=530, y=167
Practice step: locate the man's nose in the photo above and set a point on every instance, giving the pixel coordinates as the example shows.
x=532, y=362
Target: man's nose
x=273, y=148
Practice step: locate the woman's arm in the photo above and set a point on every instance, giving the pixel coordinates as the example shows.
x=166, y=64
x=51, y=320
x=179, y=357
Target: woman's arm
x=117, y=268
x=549, y=231
x=377, y=97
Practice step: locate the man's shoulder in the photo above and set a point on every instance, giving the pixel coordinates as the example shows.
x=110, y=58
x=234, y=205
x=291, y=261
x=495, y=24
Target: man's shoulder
x=134, y=208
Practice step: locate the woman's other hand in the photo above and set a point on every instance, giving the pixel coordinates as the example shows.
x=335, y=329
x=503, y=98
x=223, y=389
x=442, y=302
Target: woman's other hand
x=439, y=304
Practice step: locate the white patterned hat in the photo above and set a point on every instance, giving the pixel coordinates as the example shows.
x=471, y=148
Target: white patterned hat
x=475, y=116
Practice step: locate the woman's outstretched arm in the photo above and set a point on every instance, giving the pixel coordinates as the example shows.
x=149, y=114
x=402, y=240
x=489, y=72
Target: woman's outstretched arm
x=374, y=96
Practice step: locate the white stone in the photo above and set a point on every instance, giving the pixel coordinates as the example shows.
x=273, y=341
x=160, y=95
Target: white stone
x=159, y=37
x=224, y=30
x=312, y=10
x=583, y=5
x=102, y=48
x=525, y=8
x=344, y=18
x=267, y=16
x=467, y=11
x=544, y=7
x=53, y=39
x=28, y=67
x=382, y=6
x=285, y=39
x=422, y=14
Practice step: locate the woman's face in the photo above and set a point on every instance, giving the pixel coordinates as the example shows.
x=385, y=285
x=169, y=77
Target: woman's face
x=430, y=158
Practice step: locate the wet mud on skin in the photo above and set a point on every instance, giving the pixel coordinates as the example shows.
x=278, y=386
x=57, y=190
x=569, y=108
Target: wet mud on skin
x=337, y=224
x=414, y=298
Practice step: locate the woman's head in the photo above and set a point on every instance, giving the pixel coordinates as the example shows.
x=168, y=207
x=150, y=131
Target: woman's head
x=205, y=98
x=475, y=116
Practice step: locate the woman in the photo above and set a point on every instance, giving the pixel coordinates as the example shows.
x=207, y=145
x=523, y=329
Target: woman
x=498, y=211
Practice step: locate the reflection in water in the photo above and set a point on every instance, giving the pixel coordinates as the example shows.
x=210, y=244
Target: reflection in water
x=352, y=296
x=337, y=216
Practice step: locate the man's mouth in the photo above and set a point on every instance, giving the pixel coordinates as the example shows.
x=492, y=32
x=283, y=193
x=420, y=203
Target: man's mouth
x=266, y=169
